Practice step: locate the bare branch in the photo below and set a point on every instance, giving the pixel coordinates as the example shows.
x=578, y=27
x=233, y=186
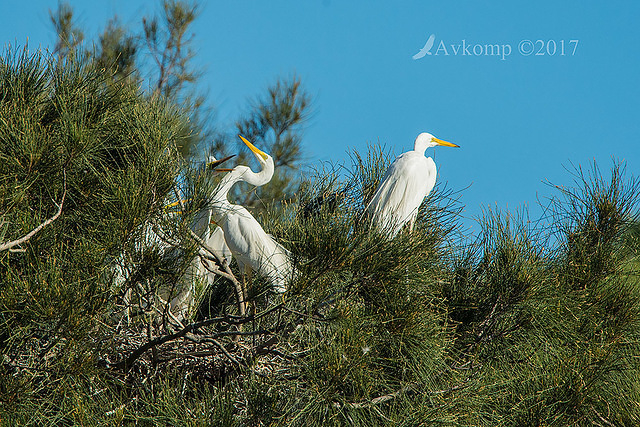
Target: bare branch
x=242, y=304
x=25, y=238
x=377, y=400
x=228, y=319
x=126, y=363
x=387, y=397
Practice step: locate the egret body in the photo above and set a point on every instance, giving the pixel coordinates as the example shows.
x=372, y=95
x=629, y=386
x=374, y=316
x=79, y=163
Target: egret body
x=245, y=237
x=404, y=186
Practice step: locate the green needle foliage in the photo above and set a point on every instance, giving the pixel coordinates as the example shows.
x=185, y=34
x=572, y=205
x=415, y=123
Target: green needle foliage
x=108, y=156
x=70, y=37
x=122, y=54
x=525, y=325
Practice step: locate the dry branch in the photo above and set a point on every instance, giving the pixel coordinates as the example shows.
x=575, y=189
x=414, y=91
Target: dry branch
x=227, y=273
x=10, y=245
x=191, y=328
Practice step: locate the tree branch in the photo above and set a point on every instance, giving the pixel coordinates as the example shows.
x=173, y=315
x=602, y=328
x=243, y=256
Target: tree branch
x=377, y=400
x=231, y=320
x=25, y=238
x=242, y=304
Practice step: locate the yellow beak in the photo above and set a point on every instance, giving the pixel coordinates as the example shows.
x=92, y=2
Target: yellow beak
x=254, y=148
x=170, y=205
x=445, y=143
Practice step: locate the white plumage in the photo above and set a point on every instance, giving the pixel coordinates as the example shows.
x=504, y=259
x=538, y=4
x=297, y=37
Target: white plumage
x=254, y=248
x=218, y=244
x=404, y=186
x=183, y=294
x=244, y=236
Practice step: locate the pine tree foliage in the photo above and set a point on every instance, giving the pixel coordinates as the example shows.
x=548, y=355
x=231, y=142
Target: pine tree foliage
x=118, y=51
x=524, y=325
x=169, y=43
x=160, y=57
x=109, y=153
x=170, y=46
x=70, y=36
x=275, y=124
x=552, y=331
x=121, y=53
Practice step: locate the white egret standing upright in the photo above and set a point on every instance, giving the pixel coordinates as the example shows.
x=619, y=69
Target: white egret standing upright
x=404, y=186
x=249, y=243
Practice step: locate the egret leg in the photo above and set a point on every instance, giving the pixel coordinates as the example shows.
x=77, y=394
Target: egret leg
x=248, y=277
x=411, y=222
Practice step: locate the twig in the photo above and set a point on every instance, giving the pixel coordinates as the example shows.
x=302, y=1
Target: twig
x=215, y=270
x=226, y=353
x=377, y=400
x=485, y=323
x=265, y=350
x=231, y=320
x=309, y=316
x=604, y=420
x=242, y=304
x=25, y=238
x=395, y=394
x=126, y=363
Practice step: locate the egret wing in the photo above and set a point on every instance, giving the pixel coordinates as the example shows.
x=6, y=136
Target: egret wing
x=401, y=191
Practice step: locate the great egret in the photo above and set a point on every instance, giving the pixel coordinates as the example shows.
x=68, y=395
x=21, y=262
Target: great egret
x=405, y=185
x=210, y=233
x=249, y=243
x=181, y=296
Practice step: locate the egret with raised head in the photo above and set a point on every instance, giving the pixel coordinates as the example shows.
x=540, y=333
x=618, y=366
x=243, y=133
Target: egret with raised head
x=252, y=247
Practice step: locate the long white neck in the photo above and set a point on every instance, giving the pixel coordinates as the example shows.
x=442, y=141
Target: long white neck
x=420, y=145
x=239, y=173
x=262, y=177
x=220, y=204
x=222, y=190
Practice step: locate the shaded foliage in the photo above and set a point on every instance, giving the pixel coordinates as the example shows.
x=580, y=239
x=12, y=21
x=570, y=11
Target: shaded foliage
x=114, y=152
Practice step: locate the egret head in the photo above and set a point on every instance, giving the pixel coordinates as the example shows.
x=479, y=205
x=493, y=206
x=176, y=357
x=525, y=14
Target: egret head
x=213, y=164
x=244, y=173
x=262, y=157
x=426, y=140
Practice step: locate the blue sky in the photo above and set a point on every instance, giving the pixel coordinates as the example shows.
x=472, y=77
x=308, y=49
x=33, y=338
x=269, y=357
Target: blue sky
x=519, y=121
